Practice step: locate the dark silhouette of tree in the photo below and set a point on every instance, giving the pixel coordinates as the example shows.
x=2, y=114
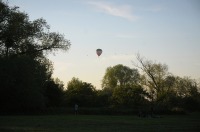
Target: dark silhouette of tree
x=82, y=93
x=21, y=36
x=24, y=68
x=54, y=93
x=21, y=83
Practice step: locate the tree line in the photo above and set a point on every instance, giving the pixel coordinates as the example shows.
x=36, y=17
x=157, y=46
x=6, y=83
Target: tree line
x=26, y=82
x=151, y=89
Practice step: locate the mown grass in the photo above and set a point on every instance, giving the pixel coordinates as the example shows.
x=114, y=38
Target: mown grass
x=100, y=123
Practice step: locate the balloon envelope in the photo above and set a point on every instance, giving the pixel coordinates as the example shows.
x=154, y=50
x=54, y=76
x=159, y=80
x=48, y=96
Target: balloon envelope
x=99, y=52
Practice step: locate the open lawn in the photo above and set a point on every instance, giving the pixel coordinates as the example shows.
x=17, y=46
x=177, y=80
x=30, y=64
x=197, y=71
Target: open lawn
x=98, y=123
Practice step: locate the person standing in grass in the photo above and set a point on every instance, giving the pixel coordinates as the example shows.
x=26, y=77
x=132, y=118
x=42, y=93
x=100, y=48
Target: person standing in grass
x=76, y=109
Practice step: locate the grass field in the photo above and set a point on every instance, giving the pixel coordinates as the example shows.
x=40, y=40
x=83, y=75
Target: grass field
x=98, y=123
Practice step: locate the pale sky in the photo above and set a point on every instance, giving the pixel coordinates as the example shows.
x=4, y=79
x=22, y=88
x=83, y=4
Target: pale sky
x=167, y=31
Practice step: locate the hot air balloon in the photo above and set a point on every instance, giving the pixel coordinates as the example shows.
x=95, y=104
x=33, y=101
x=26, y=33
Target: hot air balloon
x=99, y=51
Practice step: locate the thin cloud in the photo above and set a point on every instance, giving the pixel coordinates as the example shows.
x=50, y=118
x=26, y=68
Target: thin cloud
x=124, y=11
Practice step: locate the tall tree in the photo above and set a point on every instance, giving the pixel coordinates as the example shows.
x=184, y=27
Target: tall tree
x=120, y=75
x=24, y=69
x=167, y=91
x=154, y=75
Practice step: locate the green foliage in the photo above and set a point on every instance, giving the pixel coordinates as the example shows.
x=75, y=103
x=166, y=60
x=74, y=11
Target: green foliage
x=117, y=84
x=168, y=91
x=120, y=75
x=154, y=75
x=103, y=98
x=82, y=93
x=129, y=96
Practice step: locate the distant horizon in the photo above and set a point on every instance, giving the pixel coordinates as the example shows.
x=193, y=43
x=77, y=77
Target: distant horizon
x=159, y=30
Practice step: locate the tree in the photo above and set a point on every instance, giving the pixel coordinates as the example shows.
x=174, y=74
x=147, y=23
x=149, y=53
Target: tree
x=21, y=83
x=103, y=98
x=187, y=90
x=116, y=80
x=24, y=68
x=167, y=100
x=79, y=92
x=154, y=75
x=19, y=35
x=129, y=96
x=54, y=92
x=167, y=91
x=120, y=75
x=186, y=87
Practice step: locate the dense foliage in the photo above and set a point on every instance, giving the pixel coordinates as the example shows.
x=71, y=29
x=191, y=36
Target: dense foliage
x=25, y=72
